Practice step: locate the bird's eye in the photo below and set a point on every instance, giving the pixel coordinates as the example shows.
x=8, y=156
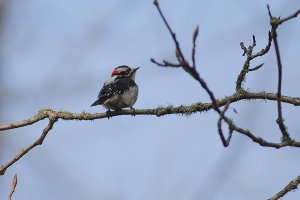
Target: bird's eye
x=127, y=71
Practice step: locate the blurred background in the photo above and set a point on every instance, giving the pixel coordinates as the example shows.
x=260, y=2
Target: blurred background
x=57, y=54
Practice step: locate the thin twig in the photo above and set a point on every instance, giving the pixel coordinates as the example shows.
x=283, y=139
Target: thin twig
x=239, y=92
x=289, y=187
x=170, y=31
x=255, y=68
x=250, y=56
x=195, y=35
x=39, y=141
x=184, y=64
x=274, y=24
x=243, y=48
x=224, y=141
x=266, y=49
x=165, y=63
x=13, y=187
x=253, y=41
x=294, y=15
x=179, y=55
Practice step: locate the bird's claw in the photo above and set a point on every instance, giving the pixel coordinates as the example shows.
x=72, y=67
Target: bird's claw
x=132, y=109
x=108, y=114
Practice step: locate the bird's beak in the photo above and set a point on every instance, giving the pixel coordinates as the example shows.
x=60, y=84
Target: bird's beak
x=134, y=70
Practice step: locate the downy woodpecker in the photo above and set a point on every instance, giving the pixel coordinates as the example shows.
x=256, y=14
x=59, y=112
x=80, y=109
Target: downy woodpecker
x=120, y=91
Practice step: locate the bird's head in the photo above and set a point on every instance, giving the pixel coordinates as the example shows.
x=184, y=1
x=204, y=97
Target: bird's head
x=124, y=71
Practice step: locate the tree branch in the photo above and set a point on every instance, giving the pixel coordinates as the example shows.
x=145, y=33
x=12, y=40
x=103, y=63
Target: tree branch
x=159, y=111
x=13, y=186
x=289, y=187
x=184, y=63
x=225, y=141
x=39, y=141
x=294, y=15
x=250, y=56
x=54, y=116
x=241, y=77
x=195, y=35
x=274, y=24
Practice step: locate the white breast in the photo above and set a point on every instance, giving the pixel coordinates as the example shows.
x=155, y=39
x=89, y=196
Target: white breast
x=129, y=98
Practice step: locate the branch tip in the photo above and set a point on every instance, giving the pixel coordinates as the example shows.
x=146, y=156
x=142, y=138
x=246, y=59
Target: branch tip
x=253, y=41
x=269, y=11
x=195, y=35
x=243, y=48
x=13, y=186
x=257, y=67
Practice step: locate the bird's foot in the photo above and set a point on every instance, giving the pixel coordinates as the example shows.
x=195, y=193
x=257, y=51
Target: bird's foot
x=132, y=109
x=108, y=114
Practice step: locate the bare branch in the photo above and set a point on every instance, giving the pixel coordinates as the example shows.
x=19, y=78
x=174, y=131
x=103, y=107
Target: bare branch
x=263, y=142
x=195, y=35
x=32, y=120
x=170, y=30
x=160, y=111
x=253, y=41
x=165, y=63
x=294, y=15
x=13, y=187
x=289, y=187
x=53, y=116
x=266, y=49
x=243, y=48
x=256, y=68
x=39, y=141
x=274, y=24
x=246, y=68
x=179, y=55
x=184, y=64
x=224, y=141
x=250, y=56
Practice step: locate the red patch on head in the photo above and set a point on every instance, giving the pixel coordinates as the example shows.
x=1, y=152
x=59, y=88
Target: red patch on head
x=115, y=72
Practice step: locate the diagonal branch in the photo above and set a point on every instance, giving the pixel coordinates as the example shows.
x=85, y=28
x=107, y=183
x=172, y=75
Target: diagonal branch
x=294, y=15
x=170, y=30
x=179, y=55
x=39, y=141
x=289, y=187
x=38, y=117
x=184, y=64
x=256, y=68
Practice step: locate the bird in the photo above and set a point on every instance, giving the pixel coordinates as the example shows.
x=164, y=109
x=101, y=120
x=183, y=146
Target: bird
x=120, y=90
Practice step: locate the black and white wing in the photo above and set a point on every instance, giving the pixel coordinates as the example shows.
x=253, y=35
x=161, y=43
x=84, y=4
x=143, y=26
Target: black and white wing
x=119, y=86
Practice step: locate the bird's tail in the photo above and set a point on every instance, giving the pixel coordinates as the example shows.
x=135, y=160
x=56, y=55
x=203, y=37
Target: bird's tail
x=96, y=103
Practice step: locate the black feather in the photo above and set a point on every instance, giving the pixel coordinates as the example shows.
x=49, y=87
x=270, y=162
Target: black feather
x=119, y=86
